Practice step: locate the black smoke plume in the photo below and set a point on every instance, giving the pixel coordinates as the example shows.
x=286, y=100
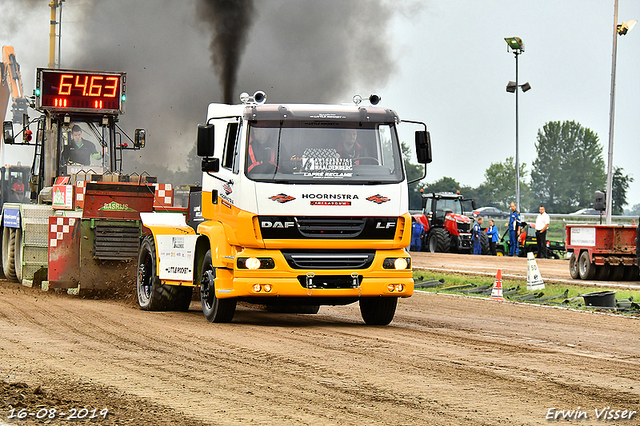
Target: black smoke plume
x=230, y=21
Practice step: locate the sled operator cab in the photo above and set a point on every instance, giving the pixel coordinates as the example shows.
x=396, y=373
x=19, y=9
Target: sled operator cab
x=302, y=205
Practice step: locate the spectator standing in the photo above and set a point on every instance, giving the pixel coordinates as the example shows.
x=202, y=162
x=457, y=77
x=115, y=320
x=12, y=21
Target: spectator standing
x=416, y=235
x=542, y=224
x=492, y=235
x=477, y=230
x=514, y=226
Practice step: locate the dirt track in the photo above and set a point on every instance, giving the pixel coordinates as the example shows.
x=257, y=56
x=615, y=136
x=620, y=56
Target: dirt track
x=445, y=360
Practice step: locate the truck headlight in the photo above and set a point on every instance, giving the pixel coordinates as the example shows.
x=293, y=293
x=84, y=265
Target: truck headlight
x=254, y=263
x=397, y=263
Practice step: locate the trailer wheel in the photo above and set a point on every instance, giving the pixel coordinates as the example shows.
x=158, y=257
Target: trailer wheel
x=586, y=269
x=573, y=266
x=602, y=272
x=617, y=272
x=378, y=310
x=8, y=253
x=152, y=294
x=630, y=273
x=214, y=309
x=439, y=241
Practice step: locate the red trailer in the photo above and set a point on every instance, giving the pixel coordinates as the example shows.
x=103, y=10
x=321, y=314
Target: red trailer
x=603, y=252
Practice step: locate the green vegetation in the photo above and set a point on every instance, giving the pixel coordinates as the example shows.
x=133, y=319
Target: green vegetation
x=455, y=280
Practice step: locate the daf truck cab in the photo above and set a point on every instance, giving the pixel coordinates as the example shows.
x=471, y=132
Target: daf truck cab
x=302, y=206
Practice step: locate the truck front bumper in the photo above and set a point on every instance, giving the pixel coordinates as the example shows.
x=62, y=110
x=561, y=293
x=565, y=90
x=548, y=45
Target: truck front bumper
x=282, y=280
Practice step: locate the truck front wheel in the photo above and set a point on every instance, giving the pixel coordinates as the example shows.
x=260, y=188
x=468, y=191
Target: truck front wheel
x=9, y=253
x=214, y=309
x=378, y=310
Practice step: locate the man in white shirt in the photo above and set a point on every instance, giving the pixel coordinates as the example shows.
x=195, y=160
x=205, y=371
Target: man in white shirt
x=542, y=224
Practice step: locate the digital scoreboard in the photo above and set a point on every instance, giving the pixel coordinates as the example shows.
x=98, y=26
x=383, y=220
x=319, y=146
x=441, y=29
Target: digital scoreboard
x=80, y=91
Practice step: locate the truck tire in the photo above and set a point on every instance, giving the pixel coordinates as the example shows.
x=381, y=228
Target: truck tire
x=9, y=253
x=152, y=294
x=439, y=241
x=586, y=269
x=378, y=310
x=214, y=309
x=484, y=244
x=573, y=266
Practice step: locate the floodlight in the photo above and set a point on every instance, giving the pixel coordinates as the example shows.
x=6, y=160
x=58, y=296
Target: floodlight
x=526, y=87
x=515, y=43
x=625, y=27
x=512, y=86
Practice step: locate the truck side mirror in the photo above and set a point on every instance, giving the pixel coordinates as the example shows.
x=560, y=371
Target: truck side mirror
x=205, y=140
x=7, y=132
x=140, y=138
x=423, y=147
x=473, y=204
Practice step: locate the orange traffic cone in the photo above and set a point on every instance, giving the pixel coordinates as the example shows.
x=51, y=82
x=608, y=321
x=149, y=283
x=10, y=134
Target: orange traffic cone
x=496, y=292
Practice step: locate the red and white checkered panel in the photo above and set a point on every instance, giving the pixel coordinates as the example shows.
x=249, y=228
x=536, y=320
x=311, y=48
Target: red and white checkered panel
x=60, y=230
x=80, y=188
x=164, y=195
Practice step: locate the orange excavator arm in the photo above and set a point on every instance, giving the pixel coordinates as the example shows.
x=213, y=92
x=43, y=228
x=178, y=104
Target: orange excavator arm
x=12, y=86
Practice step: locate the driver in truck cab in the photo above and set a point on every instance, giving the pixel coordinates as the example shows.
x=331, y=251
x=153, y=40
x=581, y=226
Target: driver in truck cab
x=262, y=150
x=348, y=146
x=79, y=150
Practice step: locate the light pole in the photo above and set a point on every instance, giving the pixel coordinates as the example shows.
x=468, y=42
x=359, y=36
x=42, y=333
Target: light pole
x=621, y=29
x=516, y=46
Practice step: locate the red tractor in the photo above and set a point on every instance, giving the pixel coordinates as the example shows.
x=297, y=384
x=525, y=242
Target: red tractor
x=446, y=227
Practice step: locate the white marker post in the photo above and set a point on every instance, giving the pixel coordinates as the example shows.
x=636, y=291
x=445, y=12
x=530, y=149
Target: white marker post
x=534, y=279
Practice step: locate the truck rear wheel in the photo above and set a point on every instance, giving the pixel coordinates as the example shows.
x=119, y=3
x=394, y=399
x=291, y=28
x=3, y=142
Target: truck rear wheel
x=18, y=255
x=439, y=241
x=152, y=294
x=378, y=310
x=586, y=269
x=9, y=253
x=214, y=309
x=573, y=267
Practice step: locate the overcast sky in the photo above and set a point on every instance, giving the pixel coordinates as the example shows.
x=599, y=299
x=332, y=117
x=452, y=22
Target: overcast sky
x=442, y=62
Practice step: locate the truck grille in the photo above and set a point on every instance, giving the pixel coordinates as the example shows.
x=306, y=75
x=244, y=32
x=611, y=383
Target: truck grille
x=116, y=241
x=329, y=259
x=323, y=227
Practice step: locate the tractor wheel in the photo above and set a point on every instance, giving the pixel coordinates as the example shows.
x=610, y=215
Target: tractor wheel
x=214, y=309
x=9, y=253
x=152, y=294
x=617, y=272
x=573, y=266
x=378, y=310
x=586, y=269
x=439, y=241
x=630, y=273
x=602, y=272
x=18, y=255
x=484, y=244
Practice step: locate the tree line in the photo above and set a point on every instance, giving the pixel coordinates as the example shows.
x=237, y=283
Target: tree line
x=567, y=171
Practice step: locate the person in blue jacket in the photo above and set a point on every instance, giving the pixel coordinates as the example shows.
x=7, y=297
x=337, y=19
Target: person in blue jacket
x=477, y=230
x=416, y=235
x=492, y=235
x=514, y=226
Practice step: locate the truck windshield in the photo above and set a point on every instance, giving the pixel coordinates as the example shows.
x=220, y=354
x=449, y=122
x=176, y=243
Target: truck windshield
x=323, y=152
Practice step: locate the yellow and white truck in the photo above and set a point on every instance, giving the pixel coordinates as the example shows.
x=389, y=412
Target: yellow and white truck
x=301, y=206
